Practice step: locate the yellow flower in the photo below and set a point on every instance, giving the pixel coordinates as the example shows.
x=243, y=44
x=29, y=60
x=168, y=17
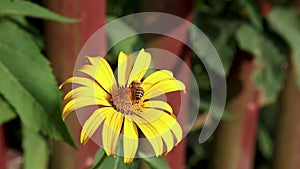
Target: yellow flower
x=126, y=104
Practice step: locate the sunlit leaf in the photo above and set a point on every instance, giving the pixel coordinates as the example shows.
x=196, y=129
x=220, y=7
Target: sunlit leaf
x=267, y=129
x=27, y=8
x=36, y=150
x=34, y=32
x=107, y=162
x=6, y=111
x=156, y=163
x=270, y=60
x=28, y=84
x=265, y=143
x=98, y=159
x=286, y=22
x=253, y=13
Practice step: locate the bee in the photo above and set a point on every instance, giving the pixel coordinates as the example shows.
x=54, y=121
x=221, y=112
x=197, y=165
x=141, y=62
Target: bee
x=137, y=91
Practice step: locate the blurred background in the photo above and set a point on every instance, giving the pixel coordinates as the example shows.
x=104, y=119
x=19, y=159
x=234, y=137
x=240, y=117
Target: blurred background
x=258, y=44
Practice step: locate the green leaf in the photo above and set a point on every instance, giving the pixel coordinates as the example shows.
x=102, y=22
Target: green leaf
x=107, y=162
x=223, y=44
x=285, y=21
x=6, y=111
x=34, y=32
x=28, y=84
x=253, y=14
x=197, y=152
x=217, y=6
x=156, y=163
x=98, y=159
x=36, y=151
x=267, y=129
x=27, y=8
x=220, y=32
x=265, y=143
x=117, y=163
x=227, y=115
x=268, y=116
x=270, y=60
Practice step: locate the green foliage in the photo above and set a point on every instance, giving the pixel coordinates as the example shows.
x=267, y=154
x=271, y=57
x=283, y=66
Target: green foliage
x=239, y=25
x=120, y=8
x=234, y=25
x=129, y=45
x=254, y=16
x=197, y=152
x=266, y=130
x=156, y=163
x=285, y=21
x=220, y=32
x=28, y=89
x=270, y=75
x=36, y=150
x=202, y=47
x=102, y=161
x=99, y=158
x=27, y=8
x=265, y=143
x=266, y=134
x=24, y=84
x=6, y=112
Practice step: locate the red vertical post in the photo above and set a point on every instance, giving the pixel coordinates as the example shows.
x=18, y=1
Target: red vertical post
x=234, y=140
x=183, y=9
x=248, y=140
x=64, y=42
x=3, y=158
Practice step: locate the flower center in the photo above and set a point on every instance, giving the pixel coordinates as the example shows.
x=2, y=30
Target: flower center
x=123, y=101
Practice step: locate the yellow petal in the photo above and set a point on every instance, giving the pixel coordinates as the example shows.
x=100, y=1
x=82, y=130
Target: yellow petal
x=124, y=67
x=153, y=117
x=84, y=91
x=151, y=134
x=130, y=140
x=163, y=122
x=166, y=135
x=157, y=104
x=82, y=102
x=79, y=80
x=140, y=67
x=163, y=87
x=156, y=77
x=101, y=72
x=92, y=123
x=95, y=60
x=111, y=132
x=172, y=123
